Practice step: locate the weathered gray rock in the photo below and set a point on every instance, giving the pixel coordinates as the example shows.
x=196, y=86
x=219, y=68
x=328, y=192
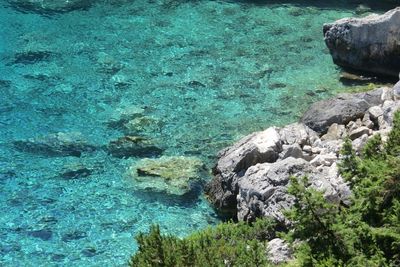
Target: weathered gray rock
x=389, y=108
x=374, y=113
x=330, y=146
x=324, y=160
x=58, y=144
x=233, y=162
x=263, y=189
x=335, y=131
x=50, y=6
x=367, y=122
x=370, y=44
x=359, y=143
x=256, y=148
x=396, y=91
x=388, y=93
x=278, y=251
x=307, y=149
x=297, y=133
x=358, y=132
x=293, y=151
x=341, y=109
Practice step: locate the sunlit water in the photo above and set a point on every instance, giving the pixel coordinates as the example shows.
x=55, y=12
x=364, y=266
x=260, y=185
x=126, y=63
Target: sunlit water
x=205, y=73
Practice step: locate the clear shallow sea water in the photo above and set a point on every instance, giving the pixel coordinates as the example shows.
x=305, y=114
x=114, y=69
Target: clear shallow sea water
x=205, y=72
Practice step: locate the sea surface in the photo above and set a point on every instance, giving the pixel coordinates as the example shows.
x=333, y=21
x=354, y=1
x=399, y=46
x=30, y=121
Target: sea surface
x=200, y=74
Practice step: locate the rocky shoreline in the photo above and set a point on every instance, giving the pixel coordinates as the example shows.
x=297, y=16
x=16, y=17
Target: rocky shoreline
x=251, y=177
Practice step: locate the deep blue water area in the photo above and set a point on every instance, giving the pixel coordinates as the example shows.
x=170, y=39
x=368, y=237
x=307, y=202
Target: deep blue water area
x=193, y=76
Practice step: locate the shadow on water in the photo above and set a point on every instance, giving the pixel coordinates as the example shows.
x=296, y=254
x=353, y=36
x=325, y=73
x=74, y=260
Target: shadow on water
x=375, y=5
x=186, y=200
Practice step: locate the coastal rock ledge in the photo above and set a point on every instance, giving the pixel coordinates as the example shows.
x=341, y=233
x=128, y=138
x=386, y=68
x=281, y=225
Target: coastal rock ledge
x=252, y=176
x=370, y=44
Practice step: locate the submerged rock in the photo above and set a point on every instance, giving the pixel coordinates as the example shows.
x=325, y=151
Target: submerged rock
x=143, y=124
x=133, y=146
x=58, y=144
x=370, y=44
x=124, y=115
x=31, y=57
x=108, y=64
x=172, y=175
x=50, y=6
x=75, y=171
x=74, y=235
x=44, y=234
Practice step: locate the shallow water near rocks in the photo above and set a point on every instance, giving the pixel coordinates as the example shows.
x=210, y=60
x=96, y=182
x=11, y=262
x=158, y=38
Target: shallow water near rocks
x=200, y=75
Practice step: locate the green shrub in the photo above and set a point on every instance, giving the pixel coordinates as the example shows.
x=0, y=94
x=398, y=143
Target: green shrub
x=368, y=232
x=227, y=244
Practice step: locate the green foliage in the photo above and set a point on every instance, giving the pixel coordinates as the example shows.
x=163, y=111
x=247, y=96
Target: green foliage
x=393, y=143
x=373, y=148
x=349, y=162
x=367, y=233
x=227, y=244
x=314, y=217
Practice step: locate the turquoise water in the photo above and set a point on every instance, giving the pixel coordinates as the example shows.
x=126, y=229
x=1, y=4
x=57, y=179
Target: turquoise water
x=203, y=74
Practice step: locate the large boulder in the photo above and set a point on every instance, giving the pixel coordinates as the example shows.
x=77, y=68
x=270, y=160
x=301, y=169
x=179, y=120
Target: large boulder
x=57, y=144
x=370, y=44
x=172, y=175
x=263, y=189
x=50, y=6
x=233, y=162
x=340, y=109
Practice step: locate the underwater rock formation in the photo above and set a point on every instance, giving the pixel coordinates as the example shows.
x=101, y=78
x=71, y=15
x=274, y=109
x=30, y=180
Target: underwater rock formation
x=249, y=182
x=133, y=146
x=75, y=171
x=57, y=144
x=172, y=175
x=124, y=115
x=370, y=44
x=50, y=6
